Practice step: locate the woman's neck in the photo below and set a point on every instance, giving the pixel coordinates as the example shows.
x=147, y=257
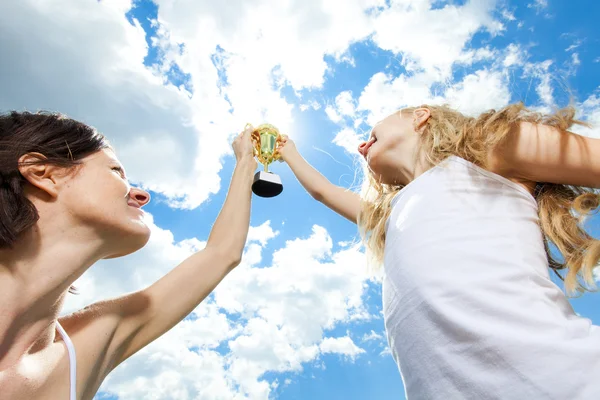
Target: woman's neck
x=35, y=275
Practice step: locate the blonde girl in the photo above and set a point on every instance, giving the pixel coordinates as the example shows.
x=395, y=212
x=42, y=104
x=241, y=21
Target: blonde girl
x=461, y=212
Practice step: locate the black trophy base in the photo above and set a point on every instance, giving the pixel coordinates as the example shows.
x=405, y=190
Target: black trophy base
x=266, y=184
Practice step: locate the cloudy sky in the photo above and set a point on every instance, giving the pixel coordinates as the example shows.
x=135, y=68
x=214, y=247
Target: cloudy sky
x=170, y=82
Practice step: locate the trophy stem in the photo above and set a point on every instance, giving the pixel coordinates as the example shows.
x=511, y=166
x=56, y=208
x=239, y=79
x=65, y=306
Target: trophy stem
x=266, y=167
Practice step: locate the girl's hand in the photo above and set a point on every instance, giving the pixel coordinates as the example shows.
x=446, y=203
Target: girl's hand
x=286, y=147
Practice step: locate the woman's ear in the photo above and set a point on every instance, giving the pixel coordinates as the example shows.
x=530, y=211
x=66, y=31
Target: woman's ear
x=42, y=176
x=420, y=117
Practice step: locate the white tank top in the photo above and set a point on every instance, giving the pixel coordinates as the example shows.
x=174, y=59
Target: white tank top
x=470, y=310
x=72, y=361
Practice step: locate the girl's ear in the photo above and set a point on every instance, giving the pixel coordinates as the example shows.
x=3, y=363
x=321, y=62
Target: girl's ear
x=420, y=117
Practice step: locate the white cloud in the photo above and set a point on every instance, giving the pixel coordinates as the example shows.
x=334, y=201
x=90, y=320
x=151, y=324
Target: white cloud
x=345, y=103
x=368, y=337
x=478, y=92
x=386, y=352
x=262, y=233
x=342, y=345
x=475, y=93
x=344, y=107
x=273, y=54
x=385, y=94
x=432, y=38
x=514, y=56
x=349, y=140
x=541, y=71
x=332, y=114
x=575, y=45
x=85, y=59
x=295, y=39
x=289, y=306
x=589, y=110
x=508, y=15
x=312, y=104
x=538, y=5
x=472, y=56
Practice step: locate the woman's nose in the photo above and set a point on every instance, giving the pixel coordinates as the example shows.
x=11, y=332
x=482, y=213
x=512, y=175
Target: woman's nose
x=140, y=196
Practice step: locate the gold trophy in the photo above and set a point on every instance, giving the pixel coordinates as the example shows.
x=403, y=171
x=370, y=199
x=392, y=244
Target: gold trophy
x=266, y=139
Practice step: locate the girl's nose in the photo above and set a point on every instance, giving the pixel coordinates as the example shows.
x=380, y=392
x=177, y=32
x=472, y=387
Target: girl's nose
x=361, y=148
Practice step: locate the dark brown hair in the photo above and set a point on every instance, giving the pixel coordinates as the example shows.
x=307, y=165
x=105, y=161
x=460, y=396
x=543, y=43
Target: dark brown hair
x=62, y=141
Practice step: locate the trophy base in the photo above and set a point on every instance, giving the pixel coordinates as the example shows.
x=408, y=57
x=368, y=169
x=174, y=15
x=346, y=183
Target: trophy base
x=266, y=184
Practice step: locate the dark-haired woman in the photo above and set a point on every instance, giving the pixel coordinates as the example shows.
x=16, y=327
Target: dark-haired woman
x=65, y=203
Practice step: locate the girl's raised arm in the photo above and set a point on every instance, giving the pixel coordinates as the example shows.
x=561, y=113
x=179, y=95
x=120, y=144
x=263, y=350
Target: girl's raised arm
x=339, y=199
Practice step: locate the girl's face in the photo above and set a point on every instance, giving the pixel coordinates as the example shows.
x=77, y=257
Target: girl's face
x=391, y=151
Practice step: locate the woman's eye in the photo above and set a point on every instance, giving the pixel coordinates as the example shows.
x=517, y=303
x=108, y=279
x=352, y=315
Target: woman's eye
x=119, y=170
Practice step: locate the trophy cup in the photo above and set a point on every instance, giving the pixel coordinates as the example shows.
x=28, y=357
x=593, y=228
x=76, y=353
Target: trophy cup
x=266, y=137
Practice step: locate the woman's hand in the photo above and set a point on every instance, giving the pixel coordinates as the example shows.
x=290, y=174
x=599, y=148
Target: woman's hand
x=243, y=146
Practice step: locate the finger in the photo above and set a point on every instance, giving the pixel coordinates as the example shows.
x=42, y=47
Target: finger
x=248, y=133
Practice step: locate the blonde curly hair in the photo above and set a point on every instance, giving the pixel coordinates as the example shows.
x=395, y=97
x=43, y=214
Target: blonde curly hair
x=561, y=208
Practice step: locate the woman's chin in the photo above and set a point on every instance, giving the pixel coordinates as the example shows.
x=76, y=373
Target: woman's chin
x=124, y=252
x=132, y=243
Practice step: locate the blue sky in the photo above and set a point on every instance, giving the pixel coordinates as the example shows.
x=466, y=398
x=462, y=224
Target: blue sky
x=170, y=82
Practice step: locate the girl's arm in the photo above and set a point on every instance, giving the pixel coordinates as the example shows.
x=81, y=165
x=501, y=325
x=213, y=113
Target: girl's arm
x=542, y=153
x=341, y=200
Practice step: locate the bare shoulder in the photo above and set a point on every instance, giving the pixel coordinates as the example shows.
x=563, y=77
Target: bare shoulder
x=91, y=331
x=95, y=333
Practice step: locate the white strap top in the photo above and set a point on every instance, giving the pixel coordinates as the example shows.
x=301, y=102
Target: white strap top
x=469, y=307
x=72, y=361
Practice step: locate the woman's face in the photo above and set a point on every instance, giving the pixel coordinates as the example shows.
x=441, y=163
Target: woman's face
x=99, y=197
x=391, y=149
